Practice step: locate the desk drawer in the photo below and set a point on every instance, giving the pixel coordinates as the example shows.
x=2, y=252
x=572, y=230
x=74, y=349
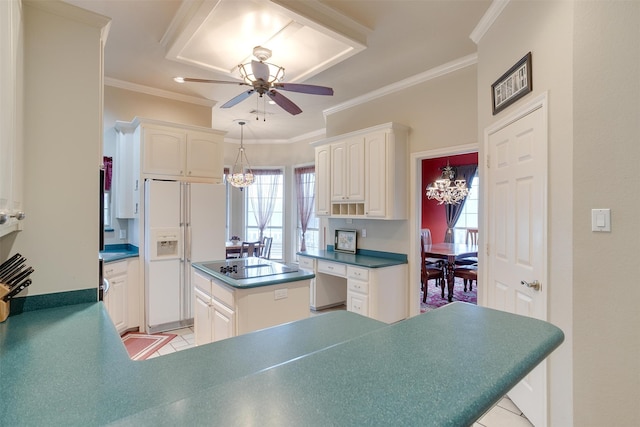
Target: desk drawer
x=358, y=273
x=306, y=263
x=333, y=268
x=358, y=286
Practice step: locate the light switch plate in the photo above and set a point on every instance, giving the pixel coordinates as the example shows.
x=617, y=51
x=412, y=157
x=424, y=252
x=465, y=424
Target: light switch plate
x=600, y=219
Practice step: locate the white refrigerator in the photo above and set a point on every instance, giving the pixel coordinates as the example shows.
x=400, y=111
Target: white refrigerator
x=184, y=223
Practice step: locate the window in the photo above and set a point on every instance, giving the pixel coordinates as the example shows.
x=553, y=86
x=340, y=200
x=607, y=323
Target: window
x=305, y=178
x=265, y=207
x=469, y=216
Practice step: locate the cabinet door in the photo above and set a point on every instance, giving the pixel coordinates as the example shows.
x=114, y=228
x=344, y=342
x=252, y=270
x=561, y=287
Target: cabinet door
x=355, y=169
x=323, y=181
x=11, y=162
x=338, y=174
x=127, y=178
x=202, y=325
x=117, y=307
x=205, y=155
x=223, y=322
x=377, y=175
x=134, y=295
x=164, y=151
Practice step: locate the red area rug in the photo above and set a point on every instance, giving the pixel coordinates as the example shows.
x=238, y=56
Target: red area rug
x=434, y=300
x=141, y=346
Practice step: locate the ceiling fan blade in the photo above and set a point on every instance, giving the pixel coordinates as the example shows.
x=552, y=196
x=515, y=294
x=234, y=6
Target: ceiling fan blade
x=193, y=80
x=260, y=70
x=284, y=102
x=311, y=89
x=237, y=99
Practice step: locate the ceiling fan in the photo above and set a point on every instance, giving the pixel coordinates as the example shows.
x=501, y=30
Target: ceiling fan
x=264, y=78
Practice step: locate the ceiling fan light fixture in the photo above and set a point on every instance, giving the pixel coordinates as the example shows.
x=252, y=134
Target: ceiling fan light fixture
x=276, y=73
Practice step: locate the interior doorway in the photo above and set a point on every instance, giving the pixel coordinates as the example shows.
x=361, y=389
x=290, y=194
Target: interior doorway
x=417, y=191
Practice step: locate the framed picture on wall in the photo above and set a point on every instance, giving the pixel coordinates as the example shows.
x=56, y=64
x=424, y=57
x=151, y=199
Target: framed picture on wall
x=512, y=85
x=345, y=241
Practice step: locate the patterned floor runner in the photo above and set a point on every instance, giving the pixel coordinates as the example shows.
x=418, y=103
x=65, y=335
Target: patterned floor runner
x=434, y=300
x=140, y=346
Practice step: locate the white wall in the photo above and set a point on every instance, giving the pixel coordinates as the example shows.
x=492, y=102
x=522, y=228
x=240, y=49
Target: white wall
x=62, y=122
x=585, y=55
x=606, y=155
x=545, y=29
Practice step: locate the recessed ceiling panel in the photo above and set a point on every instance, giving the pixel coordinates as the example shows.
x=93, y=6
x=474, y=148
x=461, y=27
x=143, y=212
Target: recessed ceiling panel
x=219, y=35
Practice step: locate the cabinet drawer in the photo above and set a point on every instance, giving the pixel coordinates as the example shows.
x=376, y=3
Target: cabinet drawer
x=358, y=286
x=358, y=303
x=306, y=263
x=113, y=269
x=333, y=268
x=222, y=293
x=358, y=273
x=202, y=283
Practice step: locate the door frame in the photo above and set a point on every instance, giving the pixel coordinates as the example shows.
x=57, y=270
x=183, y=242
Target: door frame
x=415, y=215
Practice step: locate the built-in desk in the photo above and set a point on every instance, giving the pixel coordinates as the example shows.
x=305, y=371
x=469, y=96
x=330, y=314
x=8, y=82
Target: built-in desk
x=372, y=284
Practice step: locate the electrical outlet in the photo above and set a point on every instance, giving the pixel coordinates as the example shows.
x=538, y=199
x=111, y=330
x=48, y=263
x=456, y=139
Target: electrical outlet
x=280, y=293
x=123, y=234
x=363, y=233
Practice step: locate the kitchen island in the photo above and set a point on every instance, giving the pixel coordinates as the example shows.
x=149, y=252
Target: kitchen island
x=68, y=366
x=233, y=297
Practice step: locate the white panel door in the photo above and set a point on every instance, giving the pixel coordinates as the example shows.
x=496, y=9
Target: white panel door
x=517, y=230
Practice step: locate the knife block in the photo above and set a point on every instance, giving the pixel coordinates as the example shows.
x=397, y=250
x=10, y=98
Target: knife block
x=4, y=306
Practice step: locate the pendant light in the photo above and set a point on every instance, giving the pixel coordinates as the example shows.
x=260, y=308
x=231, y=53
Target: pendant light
x=241, y=175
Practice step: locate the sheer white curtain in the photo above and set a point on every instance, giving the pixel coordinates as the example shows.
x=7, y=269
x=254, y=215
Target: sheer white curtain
x=262, y=195
x=305, y=194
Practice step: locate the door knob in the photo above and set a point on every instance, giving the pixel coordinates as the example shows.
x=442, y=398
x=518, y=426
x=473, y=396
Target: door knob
x=535, y=285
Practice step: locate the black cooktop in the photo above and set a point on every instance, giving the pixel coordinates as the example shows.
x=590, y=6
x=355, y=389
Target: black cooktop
x=248, y=268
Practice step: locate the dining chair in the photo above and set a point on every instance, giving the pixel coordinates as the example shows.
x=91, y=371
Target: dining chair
x=468, y=273
x=471, y=238
x=265, y=250
x=429, y=272
x=248, y=249
x=425, y=234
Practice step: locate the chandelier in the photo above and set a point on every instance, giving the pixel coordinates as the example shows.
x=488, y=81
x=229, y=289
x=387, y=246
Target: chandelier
x=240, y=175
x=447, y=189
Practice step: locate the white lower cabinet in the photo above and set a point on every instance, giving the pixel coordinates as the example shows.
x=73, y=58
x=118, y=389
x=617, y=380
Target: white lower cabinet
x=123, y=297
x=380, y=293
x=222, y=311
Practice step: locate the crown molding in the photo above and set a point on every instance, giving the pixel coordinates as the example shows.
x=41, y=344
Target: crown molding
x=436, y=72
x=495, y=9
x=108, y=81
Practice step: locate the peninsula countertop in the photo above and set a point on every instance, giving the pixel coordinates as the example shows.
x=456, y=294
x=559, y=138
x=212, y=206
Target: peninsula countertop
x=68, y=366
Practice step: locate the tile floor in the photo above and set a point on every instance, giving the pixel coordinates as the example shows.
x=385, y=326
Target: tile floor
x=504, y=414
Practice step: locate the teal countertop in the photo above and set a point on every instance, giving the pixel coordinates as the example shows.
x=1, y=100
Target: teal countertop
x=369, y=259
x=67, y=366
x=118, y=252
x=256, y=282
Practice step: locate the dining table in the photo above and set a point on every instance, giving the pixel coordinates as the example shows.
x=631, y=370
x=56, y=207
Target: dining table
x=234, y=249
x=449, y=253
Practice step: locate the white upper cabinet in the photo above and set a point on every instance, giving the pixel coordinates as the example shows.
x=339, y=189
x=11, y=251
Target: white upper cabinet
x=366, y=174
x=347, y=177
x=174, y=151
x=11, y=164
x=164, y=151
x=323, y=181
